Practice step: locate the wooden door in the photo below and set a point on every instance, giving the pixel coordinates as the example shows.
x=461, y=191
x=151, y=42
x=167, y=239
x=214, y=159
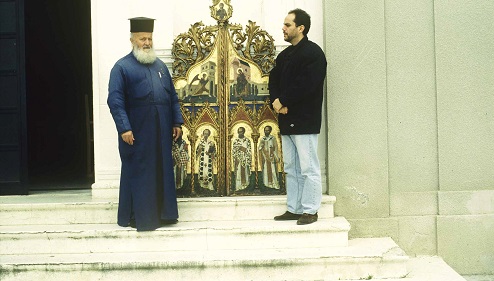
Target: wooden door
x=13, y=169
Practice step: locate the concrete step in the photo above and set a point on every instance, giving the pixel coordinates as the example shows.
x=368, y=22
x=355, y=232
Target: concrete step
x=184, y=236
x=78, y=207
x=376, y=257
x=428, y=268
x=59, y=235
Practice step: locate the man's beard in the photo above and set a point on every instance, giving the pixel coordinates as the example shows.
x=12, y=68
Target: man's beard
x=144, y=56
x=288, y=38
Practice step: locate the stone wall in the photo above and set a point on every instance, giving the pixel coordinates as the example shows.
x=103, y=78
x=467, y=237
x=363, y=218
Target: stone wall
x=411, y=124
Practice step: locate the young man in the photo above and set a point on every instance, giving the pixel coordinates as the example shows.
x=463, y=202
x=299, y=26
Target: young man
x=296, y=90
x=145, y=108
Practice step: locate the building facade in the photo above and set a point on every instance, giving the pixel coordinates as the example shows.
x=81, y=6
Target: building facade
x=407, y=142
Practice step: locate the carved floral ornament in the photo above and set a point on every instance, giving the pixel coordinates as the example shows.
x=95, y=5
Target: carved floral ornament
x=197, y=43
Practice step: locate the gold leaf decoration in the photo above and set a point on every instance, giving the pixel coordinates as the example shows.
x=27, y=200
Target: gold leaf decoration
x=254, y=44
x=192, y=47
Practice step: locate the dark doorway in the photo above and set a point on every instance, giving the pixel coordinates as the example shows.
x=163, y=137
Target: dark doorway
x=59, y=94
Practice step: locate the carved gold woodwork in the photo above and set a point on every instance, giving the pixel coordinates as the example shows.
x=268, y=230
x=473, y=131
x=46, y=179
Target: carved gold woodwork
x=231, y=143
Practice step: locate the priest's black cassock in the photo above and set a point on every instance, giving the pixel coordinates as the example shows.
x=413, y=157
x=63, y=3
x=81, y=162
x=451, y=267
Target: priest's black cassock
x=142, y=99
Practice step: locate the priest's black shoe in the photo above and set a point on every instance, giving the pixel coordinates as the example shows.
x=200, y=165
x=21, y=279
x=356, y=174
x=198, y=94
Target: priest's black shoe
x=132, y=223
x=287, y=216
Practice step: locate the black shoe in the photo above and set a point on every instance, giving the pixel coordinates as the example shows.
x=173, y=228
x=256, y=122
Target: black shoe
x=168, y=222
x=132, y=223
x=307, y=219
x=287, y=216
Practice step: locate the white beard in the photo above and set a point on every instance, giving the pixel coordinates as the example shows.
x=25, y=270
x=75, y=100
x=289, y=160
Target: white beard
x=144, y=56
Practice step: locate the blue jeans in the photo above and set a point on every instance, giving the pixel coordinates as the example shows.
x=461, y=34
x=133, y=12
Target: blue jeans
x=303, y=174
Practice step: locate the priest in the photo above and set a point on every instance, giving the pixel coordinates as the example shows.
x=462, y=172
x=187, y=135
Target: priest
x=146, y=111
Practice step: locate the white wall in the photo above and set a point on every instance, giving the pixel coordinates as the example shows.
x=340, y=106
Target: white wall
x=110, y=37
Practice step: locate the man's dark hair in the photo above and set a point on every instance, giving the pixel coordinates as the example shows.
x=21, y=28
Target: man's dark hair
x=301, y=18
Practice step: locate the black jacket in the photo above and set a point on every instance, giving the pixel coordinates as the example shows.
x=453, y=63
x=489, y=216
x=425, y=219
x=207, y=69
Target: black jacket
x=298, y=81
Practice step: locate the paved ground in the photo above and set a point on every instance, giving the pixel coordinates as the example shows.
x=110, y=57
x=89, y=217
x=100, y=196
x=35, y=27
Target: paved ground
x=479, y=277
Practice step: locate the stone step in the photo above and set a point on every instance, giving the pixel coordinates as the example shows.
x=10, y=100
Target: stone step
x=427, y=268
x=78, y=207
x=184, y=236
x=376, y=257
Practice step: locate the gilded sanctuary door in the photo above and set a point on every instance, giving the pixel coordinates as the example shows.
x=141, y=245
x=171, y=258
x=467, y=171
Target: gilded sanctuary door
x=231, y=143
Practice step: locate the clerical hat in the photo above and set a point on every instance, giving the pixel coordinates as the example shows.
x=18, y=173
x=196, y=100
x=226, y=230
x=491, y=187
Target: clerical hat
x=141, y=24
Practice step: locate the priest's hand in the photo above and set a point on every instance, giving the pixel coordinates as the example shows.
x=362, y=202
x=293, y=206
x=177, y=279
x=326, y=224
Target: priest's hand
x=128, y=137
x=177, y=133
x=283, y=110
